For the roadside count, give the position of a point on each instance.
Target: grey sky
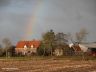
(59, 15)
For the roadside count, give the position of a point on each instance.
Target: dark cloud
(4, 2)
(59, 15)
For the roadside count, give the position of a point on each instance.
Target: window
(25, 47)
(32, 46)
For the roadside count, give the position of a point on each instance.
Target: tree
(48, 40)
(41, 50)
(7, 46)
(61, 41)
(1, 51)
(11, 50)
(70, 38)
(81, 35)
(61, 38)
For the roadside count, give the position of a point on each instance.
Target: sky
(29, 19)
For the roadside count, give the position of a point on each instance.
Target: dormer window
(25, 46)
(32, 46)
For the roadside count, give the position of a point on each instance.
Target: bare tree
(1, 50)
(70, 38)
(81, 35)
(7, 45)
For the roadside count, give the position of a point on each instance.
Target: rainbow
(33, 18)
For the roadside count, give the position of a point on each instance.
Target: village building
(61, 50)
(89, 48)
(58, 51)
(27, 47)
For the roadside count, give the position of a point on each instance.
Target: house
(58, 51)
(89, 48)
(78, 47)
(61, 50)
(27, 47)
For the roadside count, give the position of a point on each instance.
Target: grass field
(46, 64)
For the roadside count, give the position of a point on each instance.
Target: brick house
(27, 47)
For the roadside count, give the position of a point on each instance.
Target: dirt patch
(48, 65)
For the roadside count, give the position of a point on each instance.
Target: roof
(84, 46)
(90, 45)
(79, 47)
(21, 44)
(76, 47)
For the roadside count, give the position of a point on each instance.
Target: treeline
(52, 41)
(49, 43)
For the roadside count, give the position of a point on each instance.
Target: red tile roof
(21, 44)
(77, 48)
